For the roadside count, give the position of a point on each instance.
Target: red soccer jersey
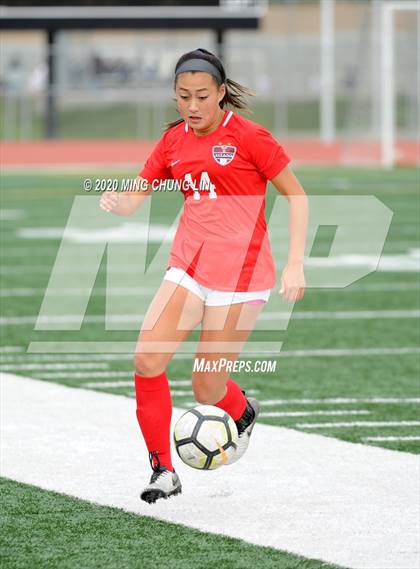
(222, 238)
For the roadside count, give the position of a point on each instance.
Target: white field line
(256, 350)
(312, 413)
(73, 268)
(68, 169)
(341, 400)
(351, 424)
(341, 314)
(397, 250)
(70, 292)
(285, 354)
(390, 439)
(397, 246)
(137, 291)
(68, 318)
(35, 366)
(379, 287)
(174, 393)
(11, 349)
(180, 393)
(31, 357)
(367, 497)
(12, 214)
(269, 316)
(76, 264)
(127, 374)
(349, 352)
(83, 375)
(114, 384)
(128, 232)
(141, 233)
(405, 262)
(99, 384)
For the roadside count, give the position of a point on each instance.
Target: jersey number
(205, 186)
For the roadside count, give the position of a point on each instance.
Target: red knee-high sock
(154, 412)
(234, 402)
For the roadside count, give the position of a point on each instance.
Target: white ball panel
(192, 455)
(185, 426)
(212, 434)
(210, 410)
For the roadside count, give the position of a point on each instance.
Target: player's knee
(149, 364)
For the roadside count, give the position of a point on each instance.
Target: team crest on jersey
(224, 154)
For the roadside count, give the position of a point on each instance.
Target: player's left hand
(293, 282)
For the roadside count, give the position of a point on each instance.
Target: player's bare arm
(124, 203)
(293, 278)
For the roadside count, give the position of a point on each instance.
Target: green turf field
(310, 388)
(371, 386)
(73, 533)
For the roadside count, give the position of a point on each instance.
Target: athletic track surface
(132, 153)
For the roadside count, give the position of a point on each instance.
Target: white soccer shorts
(212, 297)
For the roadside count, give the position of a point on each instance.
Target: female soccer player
(220, 269)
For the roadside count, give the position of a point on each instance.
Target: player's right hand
(109, 201)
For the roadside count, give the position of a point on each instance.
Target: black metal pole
(220, 42)
(50, 114)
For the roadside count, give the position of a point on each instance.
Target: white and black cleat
(245, 425)
(163, 484)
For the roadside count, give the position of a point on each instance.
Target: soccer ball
(205, 437)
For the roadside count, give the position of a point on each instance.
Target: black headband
(199, 65)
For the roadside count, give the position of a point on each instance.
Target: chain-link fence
(119, 85)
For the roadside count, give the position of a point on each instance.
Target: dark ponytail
(235, 93)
